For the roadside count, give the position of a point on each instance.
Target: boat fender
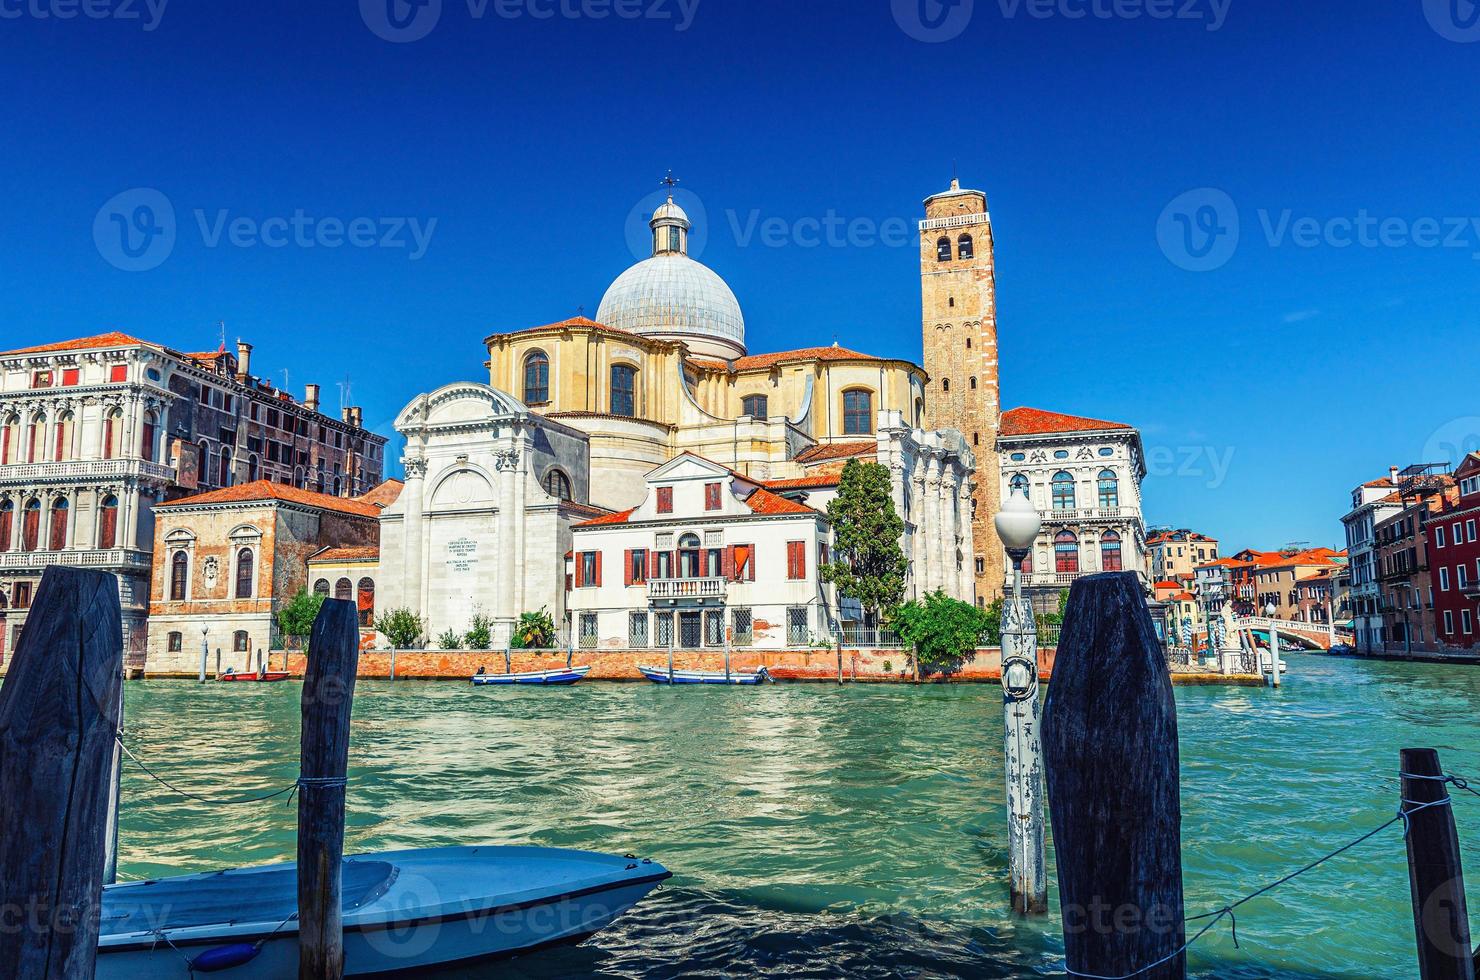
(225, 957)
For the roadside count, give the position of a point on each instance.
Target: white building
(708, 557)
(1372, 503)
(484, 519)
(1084, 476)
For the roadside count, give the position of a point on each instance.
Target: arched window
(33, 438)
(245, 563)
(343, 589)
(1063, 491)
(943, 249)
(58, 539)
(179, 574)
(968, 343)
(365, 599)
(945, 384)
(336, 486)
(204, 462)
(1110, 552)
(965, 247)
(62, 442)
(557, 484)
(225, 470)
(30, 525)
(919, 412)
(1109, 489)
(10, 434)
(108, 522)
(972, 384)
(624, 390)
(147, 436)
(7, 519)
(858, 412)
(321, 587)
(688, 556)
(1018, 484)
(112, 433)
(298, 477)
(1065, 552)
(754, 406)
(239, 641)
(536, 377)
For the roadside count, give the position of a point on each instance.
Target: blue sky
(1333, 337)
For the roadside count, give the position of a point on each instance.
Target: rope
(194, 796)
(1218, 915)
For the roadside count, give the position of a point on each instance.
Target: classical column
(132, 496)
(521, 532)
(950, 483)
(74, 515)
(507, 465)
(918, 555)
(413, 528)
(933, 522)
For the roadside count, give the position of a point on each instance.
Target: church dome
(674, 297)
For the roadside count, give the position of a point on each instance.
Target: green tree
(450, 639)
(402, 627)
(295, 620)
(943, 631)
(480, 634)
(867, 561)
(534, 631)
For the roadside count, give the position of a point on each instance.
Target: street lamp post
(1018, 525)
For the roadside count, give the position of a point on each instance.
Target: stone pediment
(462, 403)
(687, 466)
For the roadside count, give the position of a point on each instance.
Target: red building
(1454, 560)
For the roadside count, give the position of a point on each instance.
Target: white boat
(1264, 663)
(403, 911)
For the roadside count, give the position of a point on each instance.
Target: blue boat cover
(226, 897)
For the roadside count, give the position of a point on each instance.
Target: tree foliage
(943, 631)
(480, 633)
(402, 627)
(295, 620)
(450, 639)
(867, 562)
(535, 631)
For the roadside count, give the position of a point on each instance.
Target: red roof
(837, 450)
(1168, 585)
(265, 490)
(385, 494)
(339, 555)
(111, 339)
(621, 517)
(819, 480)
(756, 361)
(763, 501)
(1035, 421)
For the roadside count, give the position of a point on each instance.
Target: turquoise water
(818, 831)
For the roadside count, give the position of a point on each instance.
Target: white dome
(671, 295)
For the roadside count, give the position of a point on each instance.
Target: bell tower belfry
(959, 312)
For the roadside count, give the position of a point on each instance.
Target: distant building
(1297, 584)
(94, 432)
(348, 573)
(1371, 504)
(1453, 539)
(1175, 555)
(227, 560)
(1402, 558)
(1084, 476)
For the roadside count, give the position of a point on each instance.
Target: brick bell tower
(958, 289)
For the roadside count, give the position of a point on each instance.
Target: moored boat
(403, 912)
(255, 675)
(662, 675)
(563, 675)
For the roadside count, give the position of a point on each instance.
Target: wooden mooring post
(1110, 751)
(58, 711)
(328, 695)
(1441, 922)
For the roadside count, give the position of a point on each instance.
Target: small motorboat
(1264, 663)
(565, 675)
(662, 675)
(254, 675)
(403, 912)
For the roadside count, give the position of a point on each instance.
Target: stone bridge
(1312, 636)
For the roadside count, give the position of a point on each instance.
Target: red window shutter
(70, 376)
(117, 373)
(727, 564)
(796, 559)
(627, 567)
(711, 496)
(580, 569)
(597, 583)
(652, 563)
(665, 500)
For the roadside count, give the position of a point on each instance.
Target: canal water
(817, 831)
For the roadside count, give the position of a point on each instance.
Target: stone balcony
(686, 588)
(1078, 515)
(84, 470)
(113, 559)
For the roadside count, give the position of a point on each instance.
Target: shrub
(450, 640)
(942, 631)
(402, 627)
(295, 620)
(480, 635)
(535, 631)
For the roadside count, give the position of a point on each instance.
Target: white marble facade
(483, 523)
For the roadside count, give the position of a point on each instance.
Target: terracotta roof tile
(1035, 421)
(836, 450)
(622, 517)
(384, 495)
(266, 490)
(1168, 585)
(340, 555)
(820, 480)
(96, 342)
(754, 362)
(763, 501)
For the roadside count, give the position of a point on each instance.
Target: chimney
(311, 397)
(354, 415)
(243, 361)
(1393, 472)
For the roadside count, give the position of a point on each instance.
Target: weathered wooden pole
(1441, 920)
(508, 660)
(1110, 748)
(58, 711)
(328, 694)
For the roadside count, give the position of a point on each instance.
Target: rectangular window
(588, 570)
(711, 496)
(71, 376)
(741, 628)
(637, 566)
(665, 629)
(1462, 574)
(796, 560)
(588, 631)
(1465, 622)
(175, 642)
(1448, 622)
(1443, 580)
(637, 630)
(1439, 537)
(118, 373)
(1459, 533)
(744, 563)
(624, 391)
(1470, 531)
(21, 598)
(858, 413)
(797, 632)
(714, 628)
(665, 500)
